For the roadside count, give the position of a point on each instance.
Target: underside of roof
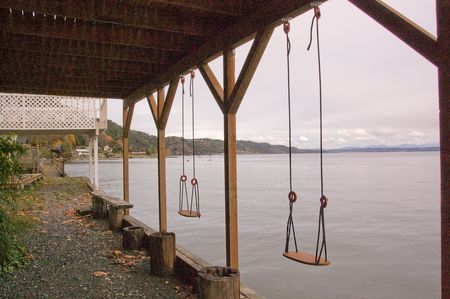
(122, 49)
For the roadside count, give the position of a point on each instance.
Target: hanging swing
(321, 244)
(192, 206)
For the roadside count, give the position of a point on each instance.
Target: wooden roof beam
(128, 118)
(409, 32)
(64, 85)
(26, 78)
(227, 8)
(230, 37)
(153, 107)
(119, 12)
(82, 61)
(86, 49)
(77, 72)
(48, 74)
(62, 92)
(77, 62)
(88, 31)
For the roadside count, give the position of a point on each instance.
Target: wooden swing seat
(188, 213)
(305, 258)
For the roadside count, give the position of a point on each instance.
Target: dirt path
(78, 257)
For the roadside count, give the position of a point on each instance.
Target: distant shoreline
(308, 151)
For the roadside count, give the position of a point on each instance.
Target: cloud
(416, 134)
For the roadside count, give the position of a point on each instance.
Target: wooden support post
(161, 165)
(218, 283)
(127, 116)
(229, 124)
(443, 14)
(96, 161)
(90, 160)
(133, 237)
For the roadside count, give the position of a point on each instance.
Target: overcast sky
(376, 90)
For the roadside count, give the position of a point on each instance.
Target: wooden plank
(232, 36)
(63, 91)
(162, 166)
(59, 70)
(68, 61)
(213, 84)
(72, 29)
(150, 16)
(32, 78)
(409, 32)
(83, 48)
(231, 209)
(168, 102)
(443, 31)
(62, 86)
(248, 70)
(229, 8)
(153, 108)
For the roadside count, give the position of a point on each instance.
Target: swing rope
(292, 196)
(182, 185)
(182, 119)
(323, 198)
(191, 93)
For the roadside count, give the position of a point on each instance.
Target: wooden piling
(162, 253)
(218, 283)
(132, 237)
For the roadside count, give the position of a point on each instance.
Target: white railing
(41, 112)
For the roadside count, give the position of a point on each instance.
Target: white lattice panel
(41, 112)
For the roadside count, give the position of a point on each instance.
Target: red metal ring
(192, 74)
(182, 79)
(286, 26)
(292, 196)
(317, 12)
(183, 178)
(324, 201)
(194, 181)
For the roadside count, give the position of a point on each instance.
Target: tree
(11, 252)
(10, 152)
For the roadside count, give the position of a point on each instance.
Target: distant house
(82, 151)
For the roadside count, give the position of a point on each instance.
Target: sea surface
(382, 219)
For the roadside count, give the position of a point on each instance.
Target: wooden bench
(106, 206)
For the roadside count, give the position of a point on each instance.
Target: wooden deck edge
(187, 264)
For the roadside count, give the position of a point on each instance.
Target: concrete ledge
(187, 264)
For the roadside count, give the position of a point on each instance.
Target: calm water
(382, 220)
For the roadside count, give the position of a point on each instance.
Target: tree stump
(218, 283)
(162, 253)
(115, 217)
(132, 237)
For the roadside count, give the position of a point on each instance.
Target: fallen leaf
(100, 274)
(117, 252)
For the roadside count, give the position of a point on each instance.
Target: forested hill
(143, 142)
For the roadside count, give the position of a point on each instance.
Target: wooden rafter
(62, 85)
(30, 78)
(248, 70)
(95, 93)
(47, 26)
(229, 37)
(24, 57)
(412, 34)
(85, 49)
(128, 118)
(153, 107)
(164, 116)
(167, 19)
(74, 72)
(213, 84)
(228, 8)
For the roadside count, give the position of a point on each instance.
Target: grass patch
(15, 218)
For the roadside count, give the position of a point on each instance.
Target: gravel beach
(78, 257)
